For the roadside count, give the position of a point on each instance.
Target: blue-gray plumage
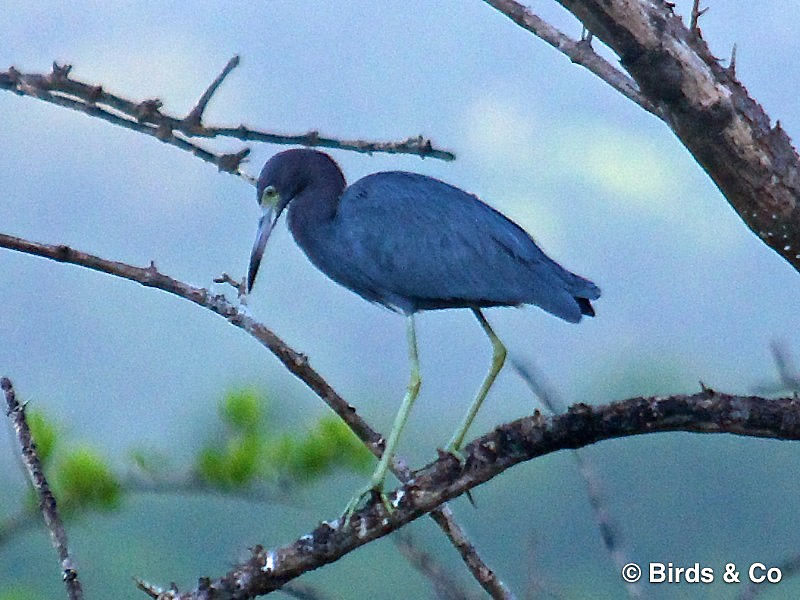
(412, 243)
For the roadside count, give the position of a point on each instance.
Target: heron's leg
(378, 477)
(400, 419)
(498, 359)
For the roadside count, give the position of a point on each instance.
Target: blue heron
(411, 243)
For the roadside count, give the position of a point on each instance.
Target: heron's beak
(265, 226)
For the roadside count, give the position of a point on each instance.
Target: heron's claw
(370, 492)
(455, 453)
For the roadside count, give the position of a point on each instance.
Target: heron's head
(284, 177)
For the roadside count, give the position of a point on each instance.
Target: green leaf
(348, 448)
(242, 410)
(243, 457)
(329, 445)
(211, 467)
(234, 466)
(312, 457)
(83, 479)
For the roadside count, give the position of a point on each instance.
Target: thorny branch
(47, 502)
(486, 457)
(578, 51)
(672, 74)
(146, 116)
(294, 361)
(706, 412)
(730, 135)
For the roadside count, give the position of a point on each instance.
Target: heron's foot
(455, 453)
(462, 461)
(369, 494)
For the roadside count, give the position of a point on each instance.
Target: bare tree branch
(490, 455)
(753, 164)
(294, 361)
(485, 576)
(47, 502)
(445, 587)
(38, 86)
(578, 51)
(57, 87)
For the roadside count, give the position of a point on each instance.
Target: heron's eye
(269, 196)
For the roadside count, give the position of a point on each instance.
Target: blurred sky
(689, 293)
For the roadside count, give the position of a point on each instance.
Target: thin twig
(193, 486)
(578, 51)
(610, 531)
(536, 589)
(36, 86)
(444, 585)
(788, 568)
(303, 591)
(239, 286)
(57, 87)
(47, 502)
(296, 362)
(195, 116)
(697, 12)
(788, 373)
(787, 369)
(484, 575)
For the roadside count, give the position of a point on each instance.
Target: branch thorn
(732, 64)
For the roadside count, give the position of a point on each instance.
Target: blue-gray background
(689, 293)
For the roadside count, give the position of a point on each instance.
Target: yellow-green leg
(378, 477)
(498, 359)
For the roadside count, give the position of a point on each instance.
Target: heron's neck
(314, 208)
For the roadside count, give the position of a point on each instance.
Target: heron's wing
(408, 236)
